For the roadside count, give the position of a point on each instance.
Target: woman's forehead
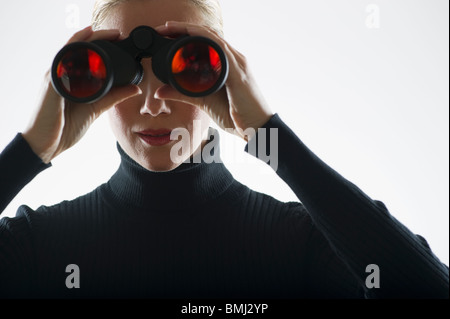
(130, 14)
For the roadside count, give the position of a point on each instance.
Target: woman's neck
(190, 184)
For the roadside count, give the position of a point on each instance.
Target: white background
(363, 83)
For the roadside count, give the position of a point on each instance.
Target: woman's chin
(164, 164)
(162, 168)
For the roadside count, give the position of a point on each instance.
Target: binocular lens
(196, 67)
(81, 72)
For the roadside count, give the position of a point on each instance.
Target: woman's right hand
(59, 124)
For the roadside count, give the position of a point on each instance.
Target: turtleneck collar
(189, 185)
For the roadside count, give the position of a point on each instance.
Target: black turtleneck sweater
(196, 232)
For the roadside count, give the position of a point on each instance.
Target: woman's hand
(240, 104)
(59, 124)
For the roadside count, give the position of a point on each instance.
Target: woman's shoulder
(266, 202)
(66, 209)
(68, 220)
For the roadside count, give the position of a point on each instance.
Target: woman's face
(144, 113)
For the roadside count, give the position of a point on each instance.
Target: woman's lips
(156, 137)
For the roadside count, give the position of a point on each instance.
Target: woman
(160, 228)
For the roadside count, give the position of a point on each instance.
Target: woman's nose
(149, 85)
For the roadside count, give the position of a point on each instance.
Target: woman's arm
(360, 230)
(18, 166)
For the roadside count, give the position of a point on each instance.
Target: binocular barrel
(84, 72)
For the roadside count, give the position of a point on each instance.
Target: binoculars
(84, 72)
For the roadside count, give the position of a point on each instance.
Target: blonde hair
(210, 8)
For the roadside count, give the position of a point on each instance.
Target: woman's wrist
(34, 144)
(258, 122)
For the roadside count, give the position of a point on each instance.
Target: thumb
(116, 96)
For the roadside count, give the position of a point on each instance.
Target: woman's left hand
(239, 105)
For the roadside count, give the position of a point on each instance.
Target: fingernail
(160, 27)
(136, 93)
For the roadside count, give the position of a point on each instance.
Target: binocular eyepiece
(84, 72)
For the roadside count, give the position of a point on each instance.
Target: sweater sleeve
(18, 166)
(361, 231)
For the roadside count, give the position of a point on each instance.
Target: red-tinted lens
(81, 72)
(196, 67)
